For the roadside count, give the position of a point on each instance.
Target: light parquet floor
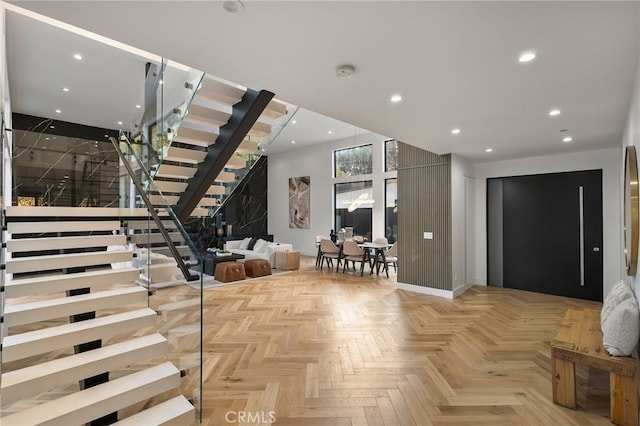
(324, 348)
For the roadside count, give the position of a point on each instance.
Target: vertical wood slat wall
(424, 205)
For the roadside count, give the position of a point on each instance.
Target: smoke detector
(233, 6)
(345, 71)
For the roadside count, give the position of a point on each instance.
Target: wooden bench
(579, 341)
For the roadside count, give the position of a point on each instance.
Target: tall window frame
(353, 161)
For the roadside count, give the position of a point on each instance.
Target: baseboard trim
(459, 290)
(447, 294)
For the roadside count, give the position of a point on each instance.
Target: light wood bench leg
(624, 400)
(564, 382)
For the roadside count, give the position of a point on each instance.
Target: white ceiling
(454, 63)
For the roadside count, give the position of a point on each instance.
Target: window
(390, 155)
(354, 207)
(353, 161)
(391, 210)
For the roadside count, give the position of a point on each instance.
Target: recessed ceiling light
(66, 176)
(567, 139)
(77, 56)
(554, 112)
(293, 121)
(58, 111)
(455, 131)
(106, 136)
(120, 123)
(52, 127)
(330, 132)
(138, 106)
(488, 150)
(527, 57)
(65, 89)
(233, 6)
(396, 98)
(46, 139)
(161, 82)
(293, 141)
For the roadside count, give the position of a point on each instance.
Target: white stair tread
(23, 345)
(39, 378)
(83, 212)
(223, 92)
(216, 190)
(154, 238)
(236, 163)
(203, 115)
(27, 313)
(168, 186)
(71, 260)
(174, 412)
(226, 177)
(63, 282)
(79, 226)
(199, 212)
(275, 109)
(185, 155)
(195, 137)
(207, 201)
(247, 147)
(163, 200)
(180, 172)
(150, 224)
(260, 129)
(55, 243)
(89, 404)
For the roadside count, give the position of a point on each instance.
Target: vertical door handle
(581, 202)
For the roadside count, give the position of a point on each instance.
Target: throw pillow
(244, 245)
(619, 292)
(621, 330)
(260, 246)
(252, 243)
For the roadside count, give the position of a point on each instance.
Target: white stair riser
(59, 243)
(199, 212)
(39, 378)
(28, 313)
(45, 263)
(236, 163)
(216, 190)
(35, 227)
(59, 283)
(89, 404)
(209, 202)
(31, 343)
(247, 147)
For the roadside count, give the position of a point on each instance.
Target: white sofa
(265, 251)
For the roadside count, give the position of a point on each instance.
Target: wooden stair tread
(55, 243)
(202, 115)
(39, 378)
(62, 282)
(23, 345)
(174, 412)
(180, 172)
(27, 313)
(168, 186)
(89, 404)
(185, 155)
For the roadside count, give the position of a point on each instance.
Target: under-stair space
(196, 145)
(82, 343)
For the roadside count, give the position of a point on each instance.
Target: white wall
(316, 162)
(463, 230)
(608, 160)
(632, 137)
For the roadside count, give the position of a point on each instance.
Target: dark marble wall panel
(246, 209)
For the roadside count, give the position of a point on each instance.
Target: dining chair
(391, 257)
(381, 240)
(353, 253)
(319, 239)
(329, 252)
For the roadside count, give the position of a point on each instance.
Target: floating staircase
(199, 143)
(79, 342)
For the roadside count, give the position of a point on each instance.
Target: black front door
(552, 233)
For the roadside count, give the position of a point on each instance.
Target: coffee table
(211, 260)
